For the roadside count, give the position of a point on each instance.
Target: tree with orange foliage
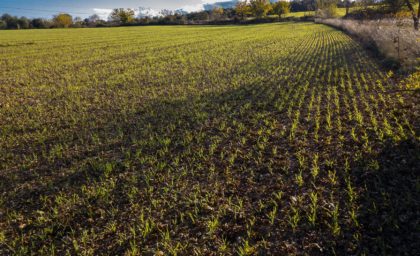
(63, 20)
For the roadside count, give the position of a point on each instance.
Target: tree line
(244, 10)
(123, 16)
(62, 20)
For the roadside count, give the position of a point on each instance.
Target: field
(341, 12)
(274, 139)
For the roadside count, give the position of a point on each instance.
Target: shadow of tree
(390, 205)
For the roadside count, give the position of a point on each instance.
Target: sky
(85, 8)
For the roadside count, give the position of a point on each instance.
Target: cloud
(208, 5)
(146, 12)
(193, 8)
(139, 12)
(149, 12)
(102, 13)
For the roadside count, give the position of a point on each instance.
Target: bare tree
(347, 7)
(122, 15)
(94, 18)
(166, 12)
(413, 13)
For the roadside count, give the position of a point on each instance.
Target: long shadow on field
(390, 205)
(172, 119)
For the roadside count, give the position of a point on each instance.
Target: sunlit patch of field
(232, 140)
(341, 12)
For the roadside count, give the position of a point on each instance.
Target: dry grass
(393, 38)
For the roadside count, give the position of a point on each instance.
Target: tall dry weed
(395, 39)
